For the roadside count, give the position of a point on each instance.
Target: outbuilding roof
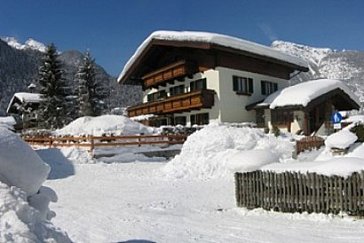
(303, 93)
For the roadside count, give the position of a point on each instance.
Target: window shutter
(235, 83)
(263, 86)
(250, 85)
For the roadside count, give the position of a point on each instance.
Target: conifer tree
(53, 112)
(90, 92)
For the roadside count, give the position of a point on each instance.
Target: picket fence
(297, 192)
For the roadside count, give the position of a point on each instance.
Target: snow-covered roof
(28, 97)
(212, 38)
(303, 93)
(24, 98)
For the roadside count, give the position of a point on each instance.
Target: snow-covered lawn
(133, 201)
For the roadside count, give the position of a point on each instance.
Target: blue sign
(336, 117)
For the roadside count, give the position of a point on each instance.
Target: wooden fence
(309, 143)
(91, 142)
(296, 192)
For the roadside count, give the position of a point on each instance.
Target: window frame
(243, 85)
(268, 87)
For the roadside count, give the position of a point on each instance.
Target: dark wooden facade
(179, 103)
(159, 54)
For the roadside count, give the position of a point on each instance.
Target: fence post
(92, 143)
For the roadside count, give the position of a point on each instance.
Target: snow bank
(219, 150)
(342, 139)
(7, 122)
(19, 165)
(343, 166)
(20, 222)
(104, 124)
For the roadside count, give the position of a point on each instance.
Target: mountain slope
(347, 66)
(19, 65)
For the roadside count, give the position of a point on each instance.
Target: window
(268, 87)
(180, 89)
(180, 120)
(242, 85)
(157, 96)
(200, 119)
(281, 117)
(198, 85)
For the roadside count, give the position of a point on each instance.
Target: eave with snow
(194, 77)
(306, 107)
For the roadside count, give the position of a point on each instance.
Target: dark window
(180, 120)
(200, 119)
(281, 117)
(180, 89)
(157, 96)
(260, 119)
(198, 85)
(268, 87)
(243, 85)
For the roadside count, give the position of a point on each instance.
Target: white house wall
(233, 105)
(228, 106)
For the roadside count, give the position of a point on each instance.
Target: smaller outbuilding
(23, 106)
(305, 108)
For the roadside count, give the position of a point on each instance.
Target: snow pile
(22, 173)
(213, 38)
(19, 222)
(343, 166)
(99, 125)
(355, 119)
(219, 150)
(303, 93)
(7, 122)
(342, 139)
(19, 165)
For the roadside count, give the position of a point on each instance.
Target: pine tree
(53, 110)
(90, 92)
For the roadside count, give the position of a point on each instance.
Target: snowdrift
(20, 166)
(20, 222)
(99, 125)
(23, 200)
(220, 150)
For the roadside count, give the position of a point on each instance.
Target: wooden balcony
(168, 74)
(179, 103)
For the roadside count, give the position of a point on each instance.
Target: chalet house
(306, 107)
(193, 77)
(22, 106)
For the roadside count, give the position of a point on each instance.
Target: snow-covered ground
(132, 201)
(189, 199)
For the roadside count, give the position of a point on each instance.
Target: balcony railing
(179, 103)
(168, 74)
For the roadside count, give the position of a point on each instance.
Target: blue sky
(112, 29)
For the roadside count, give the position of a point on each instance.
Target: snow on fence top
(303, 93)
(213, 38)
(342, 166)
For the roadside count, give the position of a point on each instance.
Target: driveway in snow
(131, 201)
